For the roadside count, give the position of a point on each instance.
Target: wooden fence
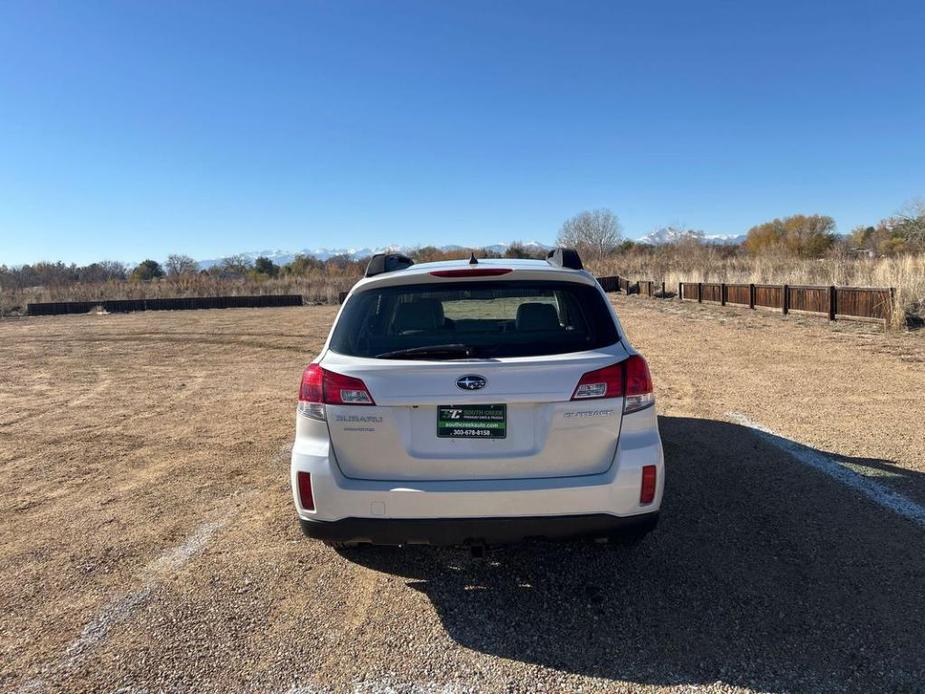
(862, 303)
(872, 303)
(616, 283)
(175, 304)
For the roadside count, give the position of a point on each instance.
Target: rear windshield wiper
(454, 351)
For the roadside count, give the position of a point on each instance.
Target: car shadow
(763, 573)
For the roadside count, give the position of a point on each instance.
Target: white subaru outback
(476, 403)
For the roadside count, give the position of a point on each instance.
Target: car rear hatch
(473, 378)
(521, 423)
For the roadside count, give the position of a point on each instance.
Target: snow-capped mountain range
(281, 257)
(674, 235)
(655, 238)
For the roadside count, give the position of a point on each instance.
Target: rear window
(480, 320)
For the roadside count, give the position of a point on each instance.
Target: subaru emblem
(470, 382)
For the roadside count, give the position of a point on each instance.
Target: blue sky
(137, 129)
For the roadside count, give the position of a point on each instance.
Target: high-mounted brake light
(628, 379)
(473, 272)
(320, 387)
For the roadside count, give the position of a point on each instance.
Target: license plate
(472, 421)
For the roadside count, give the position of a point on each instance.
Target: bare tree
(235, 266)
(912, 221)
(178, 265)
(102, 271)
(593, 233)
(340, 261)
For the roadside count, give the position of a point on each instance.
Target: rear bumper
(612, 493)
(475, 531)
(345, 509)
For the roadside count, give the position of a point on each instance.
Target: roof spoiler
(387, 262)
(565, 257)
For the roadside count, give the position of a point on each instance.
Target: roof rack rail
(387, 262)
(565, 257)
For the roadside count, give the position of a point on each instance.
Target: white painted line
(884, 496)
(122, 608)
(116, 611)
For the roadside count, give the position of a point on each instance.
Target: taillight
(345, 390)
(629, 379)
(602, 383)
(311, 392)
(647, 488)
(320, 387)
(304, 481)
(639, 393)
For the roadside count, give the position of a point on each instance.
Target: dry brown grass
(906, 273)
(122, 436)
(672, 264)
(315, 288)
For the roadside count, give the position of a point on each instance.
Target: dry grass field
(148, 540)
(905, 273)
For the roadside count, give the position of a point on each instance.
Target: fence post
(786, 302)
(722, 294)
(680, 291)
(751, 296)
(833, 299)
(700, 292)
(888, 319)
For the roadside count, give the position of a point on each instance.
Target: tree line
(179, 267)
(597, 234)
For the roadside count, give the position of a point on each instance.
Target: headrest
(537, 316)
(420, 315)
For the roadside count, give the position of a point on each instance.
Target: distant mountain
(674, 235)
(281, 257)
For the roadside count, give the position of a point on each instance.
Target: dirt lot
(148, 540)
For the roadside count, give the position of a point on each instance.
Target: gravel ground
(148, 541)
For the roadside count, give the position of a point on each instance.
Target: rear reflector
(473, 272)
(305, 491)
(647, 489)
